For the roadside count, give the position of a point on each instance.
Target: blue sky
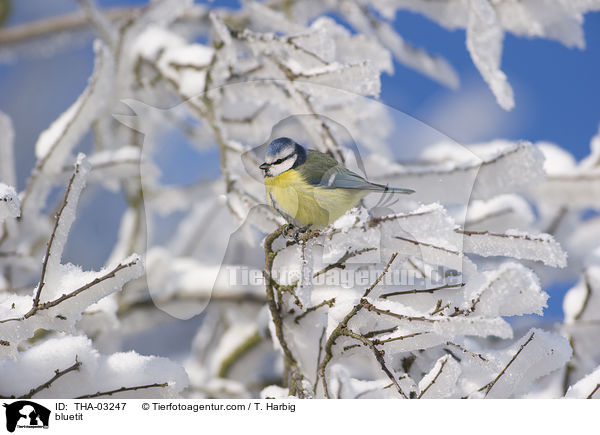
(557, 92)
(556, 88)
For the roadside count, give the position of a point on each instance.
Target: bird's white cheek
(282, 167)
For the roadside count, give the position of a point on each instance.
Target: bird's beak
(264, 166)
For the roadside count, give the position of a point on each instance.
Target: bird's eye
(281, 160)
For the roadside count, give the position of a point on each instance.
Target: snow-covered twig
(122, 390)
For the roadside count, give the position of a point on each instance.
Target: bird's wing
(343, 178)
(322, 170)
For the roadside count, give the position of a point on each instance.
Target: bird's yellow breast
(306, 204)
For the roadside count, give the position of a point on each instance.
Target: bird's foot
(298, 235)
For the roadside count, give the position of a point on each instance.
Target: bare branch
(437, 375)
(417, 291)
(591, 395)
(63, 23)
(588, 295)
(121, 390)
(327, 302)
(74, 293)
(36, 299)
(57, 374)
(487, 388)
(337, 332)
(378, 356)
(290, 361)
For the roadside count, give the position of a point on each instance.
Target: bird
(310, 188)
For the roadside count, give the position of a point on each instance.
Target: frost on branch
(9, 203)
(392, 319)
(64, 291)
(70, 367)
(480, 172)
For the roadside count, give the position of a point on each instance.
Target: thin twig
(72, 294)
(378, 356)
(588, 295)
(437, 375)
(591, 395)
(487, 388)
(36, 299)
(337, 332)
(57, 374)
(417, 291)
(328, 302)
(290, 361)
(121, 390)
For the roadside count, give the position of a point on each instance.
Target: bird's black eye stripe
(281, 160)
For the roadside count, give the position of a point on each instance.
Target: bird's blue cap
(278, 145)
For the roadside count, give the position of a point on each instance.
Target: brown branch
(242, 298)
(428, 245)
(588, 295)
(494, 214)
(591, 395)
(326, 133)
(376, 220)
(555, 223)
(121, 390)
(402, 337)
(463, 168)
(36, 299)
(341, 263)
(437, 375)
(328, 302)
(439, 307)
(369, 306)
(296, 377)
(48, 383)
(474, 354)
(319, 359)
(72, 294)
(378, 356)
(238, 353)
(527, 237)
(247, 119)
(337, 332)
(63, 23)
(372, 334)
(417, 291)
(487, 388)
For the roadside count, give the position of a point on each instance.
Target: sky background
(557, 95)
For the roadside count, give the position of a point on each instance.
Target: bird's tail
(388, 189)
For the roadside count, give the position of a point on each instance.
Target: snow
(516, 244)
(511, 290)
(433, 66)
(7, 136)
(109, 167)
(586, 388)
(538, 353)
(440, 382)
(67, 214)
(97, 373)
(9, 203)
(56, 142)
(499, 214)
(484, 42)
(474, 173)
